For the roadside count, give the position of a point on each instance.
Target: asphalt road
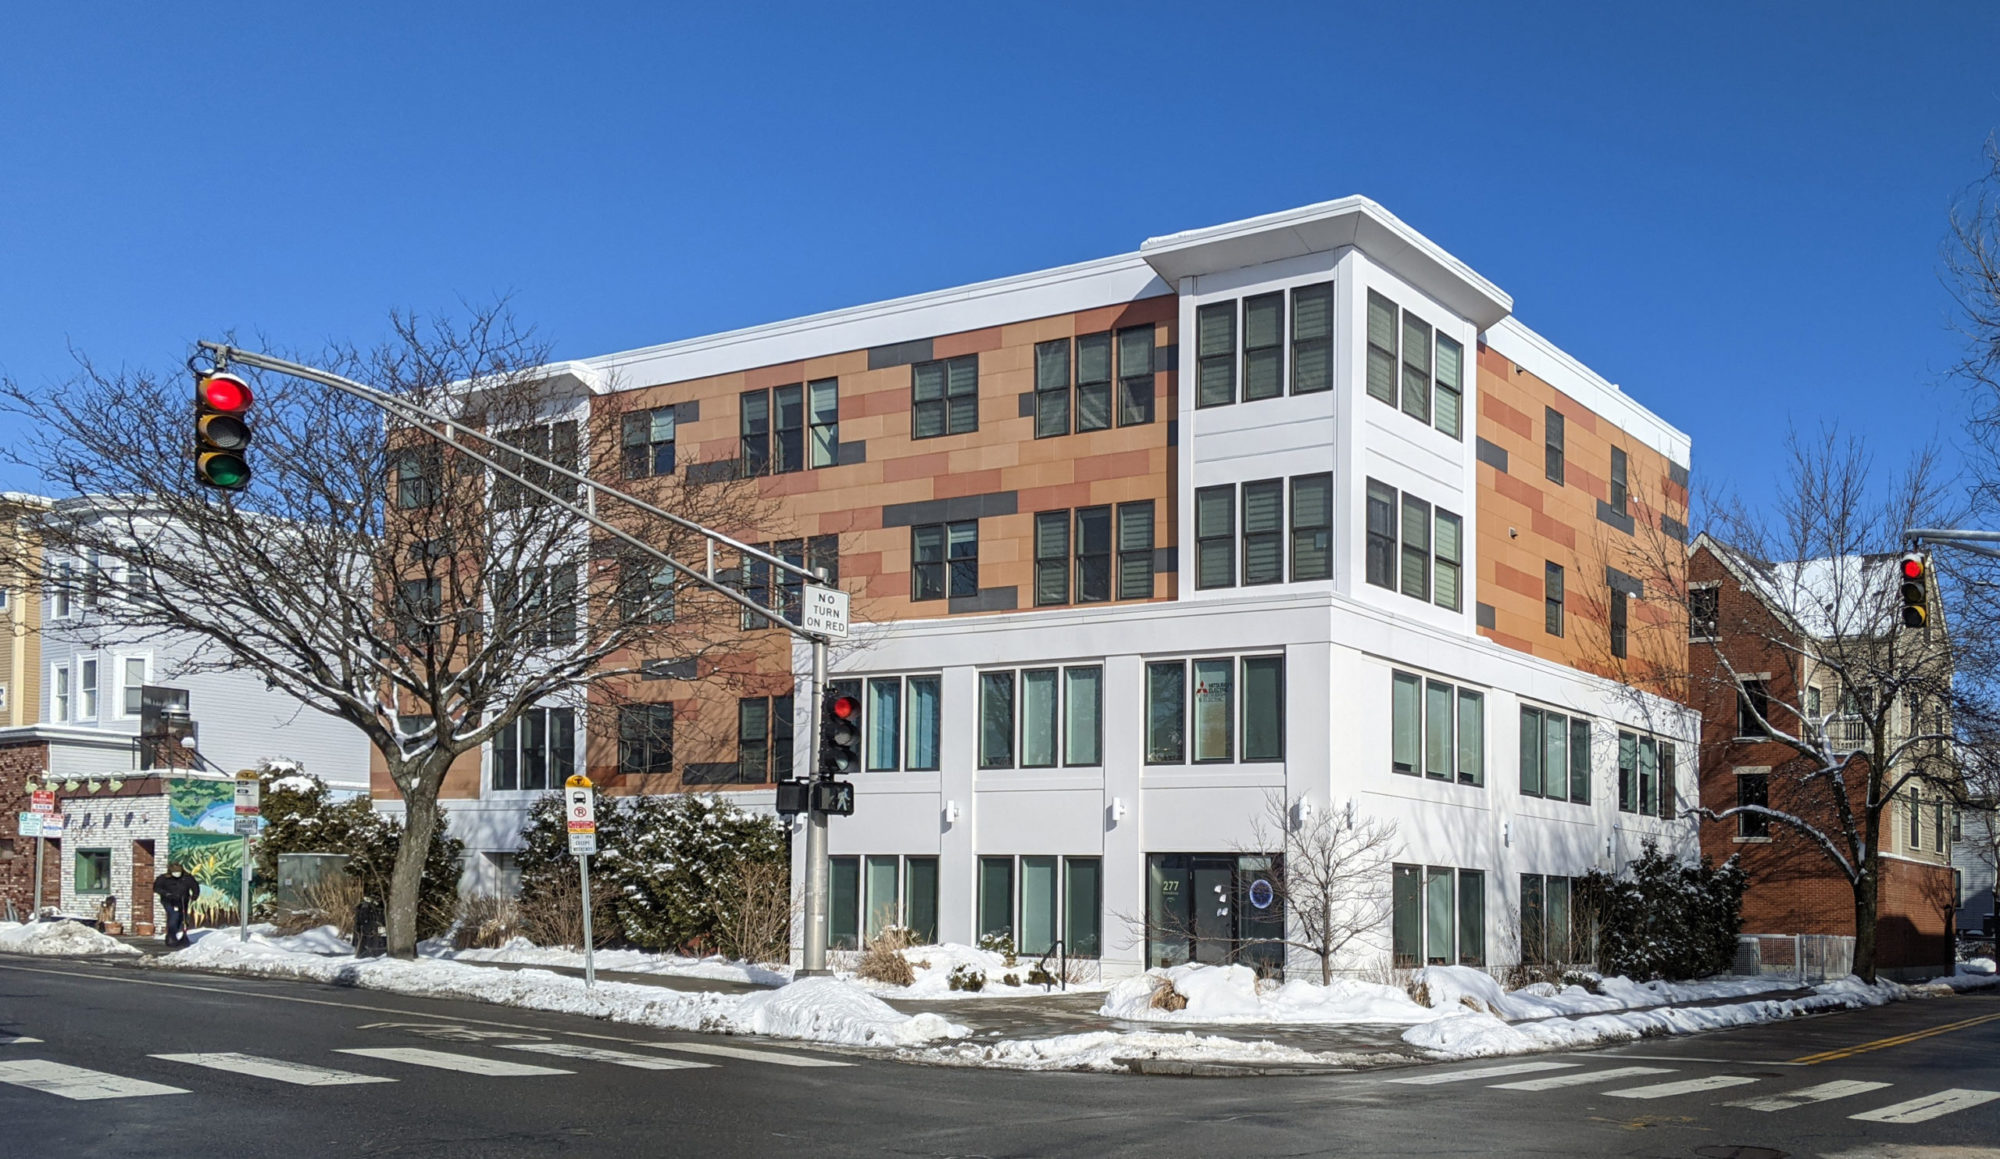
(262, 1068)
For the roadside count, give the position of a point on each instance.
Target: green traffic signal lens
(227, 471)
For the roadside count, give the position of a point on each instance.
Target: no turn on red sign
(580, 810)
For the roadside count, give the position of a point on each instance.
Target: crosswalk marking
(1577, 1080)
(442, 1060)
(296, 1073)
(16, 1040)
(1819, 1094)
(74, 1082)
(1928, 1107)
(1484, 1072)
(1683, 1087)
(603, 1054)
(770, 1056)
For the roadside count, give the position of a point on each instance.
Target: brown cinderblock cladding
(1527, 521)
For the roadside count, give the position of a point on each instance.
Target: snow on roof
(1847, 595)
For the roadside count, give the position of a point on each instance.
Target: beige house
(20, 613)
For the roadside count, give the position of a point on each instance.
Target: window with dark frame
(1052, 387)
(1051, 558)
(1753, 710)
(1215, 537)
(1215, 354)
(1135, 550)
(1416, 570)
(1312, 527)
(1381, 535)
(1447, 552)
(944, 560)
(1450, 387)
(1555, 756)
(556, 442)
(536, 751)
(1753, 790)
(1416, 368)
(1552, 598)
(763, 739)
(1263, 532)
(1135, 375)
(944, 397)
(1312, 338)
(647, 443)
(788, 407)
(417, 477)
(1552, 445)
(1093, 554)
(823, 397)
(645, 739)
(1093, 382)
(1382, 361)
(1704, 607)
(754, 434)
(1619, 495)
(1263, 346)
(1618, 623)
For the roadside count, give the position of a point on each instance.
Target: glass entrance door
(1213, 908)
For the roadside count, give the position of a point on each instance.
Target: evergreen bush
(301, 816)
(1661, 917)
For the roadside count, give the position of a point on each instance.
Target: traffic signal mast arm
(420, 415)
(1971, 541)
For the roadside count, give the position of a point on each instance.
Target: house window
(1937, 825)
(1052, 388)
(645, 739)
(1052, 557)
(1381, 535)
(1263, 346)
(1166, 712)
(1312, 527)
(536, 751)
(1381, 348)
(755, 433)
(1552, 599)
(1447, 547)
(86, 689)
(1438, 725)
(1416, 547)
(824, 398)
(1753, 790)
(1093, 382)
(1913, 813)
(1059, 718)
(1753, 709)
(1618, 623)
(648, 443)
(1704, 605)
(555, 442)
(1619, 495)
(59, 701)
(1215, 354)
(944, 397)
(1312, 339)
(1093, 555)
(1555, 756)
(944, 560)
(1552, 445)
(1438, 916)
(133, 683)
(1135, 550)
(901, 721)
(1450, 386)
(1263, 531)
(1135, 375)
(93, 871)
(763, 739)
(1416, 368)
(1215, 537)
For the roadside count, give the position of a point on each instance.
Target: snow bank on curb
(931, 968)
(58, 940)
(1101, 1050)
(810, 1010)
(1474, 1034)
(522, 951)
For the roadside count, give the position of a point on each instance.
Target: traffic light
(839, 735)
(1916, 591)
(221, 436)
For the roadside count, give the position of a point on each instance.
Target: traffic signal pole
(814, 918)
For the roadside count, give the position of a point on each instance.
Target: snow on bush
(812, 1009)
(1661, 917)
(58, 940)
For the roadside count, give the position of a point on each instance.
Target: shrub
(1661, 918)
(485, 921)
(1001, 943)
(967, 977)
(330, 901)
(684, 872)
(1165, 997)
(301, 816)
(553, 914)
(884, 961)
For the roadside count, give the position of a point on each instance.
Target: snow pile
(812, 1010)
(1104, 1050)
(1226, 994)
(1474, 989)
(58, 939)
(1977, 974)
(522, 951)
(1474, 1034)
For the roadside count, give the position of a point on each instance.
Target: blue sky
(1736, 211)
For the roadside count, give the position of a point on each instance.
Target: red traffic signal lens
(224, 392)
(846, 707)
(1913, 568)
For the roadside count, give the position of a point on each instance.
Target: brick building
(1763, 645)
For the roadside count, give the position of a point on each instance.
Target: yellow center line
(1885, 1043)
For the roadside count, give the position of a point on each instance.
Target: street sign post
(580, 809)
(824, 612)
(248, 805)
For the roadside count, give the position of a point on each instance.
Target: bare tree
(374, 571)
(1330, 873)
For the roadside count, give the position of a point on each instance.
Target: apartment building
(1285, 510)
(20, 612)
(1799, 650)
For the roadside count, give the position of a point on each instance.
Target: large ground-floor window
(1213, 907)
(1439, 916)
(1034, 900)
(869, 894)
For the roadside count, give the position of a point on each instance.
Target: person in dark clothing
(177, 891)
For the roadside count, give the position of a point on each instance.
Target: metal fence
(1810, 958)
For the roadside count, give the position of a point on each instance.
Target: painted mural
(201, 837)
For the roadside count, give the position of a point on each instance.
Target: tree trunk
(1864, 923)
(1326, 953)
(420, 818)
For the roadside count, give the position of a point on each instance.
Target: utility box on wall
(298, 873)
